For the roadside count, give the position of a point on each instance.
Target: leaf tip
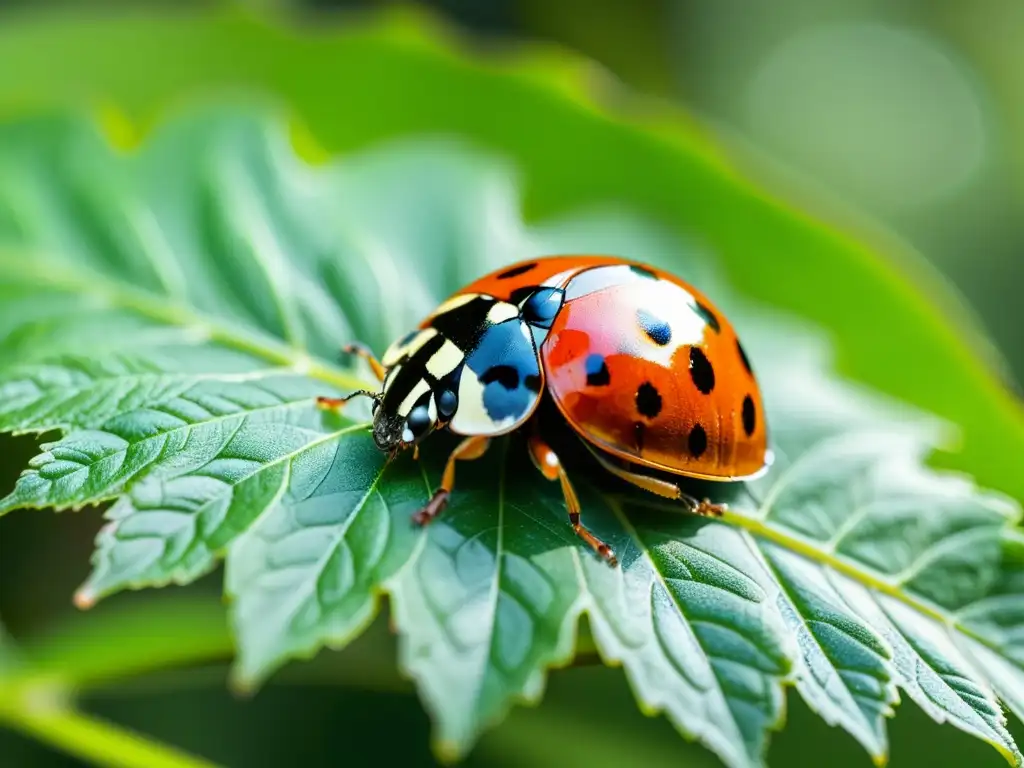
(85, 598)
(8, 504)
(447, 752)
(243, 686)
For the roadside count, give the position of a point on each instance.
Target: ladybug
(641, 365)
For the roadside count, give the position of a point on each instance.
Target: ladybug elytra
(640, 364)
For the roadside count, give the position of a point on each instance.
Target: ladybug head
(393, 430)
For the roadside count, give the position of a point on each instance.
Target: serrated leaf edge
(759, 527)
(86, 598)
(532, 694)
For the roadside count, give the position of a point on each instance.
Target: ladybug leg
(704, 507)
(471, 448)
(550, 466)
(661, 487)
(360, 350)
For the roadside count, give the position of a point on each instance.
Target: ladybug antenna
(375, 396)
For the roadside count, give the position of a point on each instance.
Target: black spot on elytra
(638, 435)
(743, 356)
(644, 271)
(697, 442)
(656, 329)
(447, 401)
(517, 270)
(749, 415)
(648, 400)
(505, 375)
(532, 382)
(701, 372)
(708, 317)
(597, 371)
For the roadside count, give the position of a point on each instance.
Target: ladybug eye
(542, 306)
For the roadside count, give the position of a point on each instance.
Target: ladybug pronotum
(640, 364)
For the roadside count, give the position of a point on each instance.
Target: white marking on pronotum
(454, 303)
(397, 351)
(414, 395)
(502, 311)
(445, 360)
(389, 378)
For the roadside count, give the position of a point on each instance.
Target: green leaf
(992, 623)
(174, 311)
(578, 140)
(692, 620)
(307, 571)
(488, 602)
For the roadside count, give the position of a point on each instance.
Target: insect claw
(608, 555)
(706, 508)
(433, 508)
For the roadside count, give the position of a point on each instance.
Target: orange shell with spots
(644, 366)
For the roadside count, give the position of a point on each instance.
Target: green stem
(91, 739)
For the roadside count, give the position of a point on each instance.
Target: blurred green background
(912, 112)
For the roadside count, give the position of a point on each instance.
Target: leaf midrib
(115, 491)
(852, 570)
(196, 513)
(65, 277)
(308, 589)
(879, 748)
(631, 530)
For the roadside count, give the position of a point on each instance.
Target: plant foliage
(578, 138)
(172, 313)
